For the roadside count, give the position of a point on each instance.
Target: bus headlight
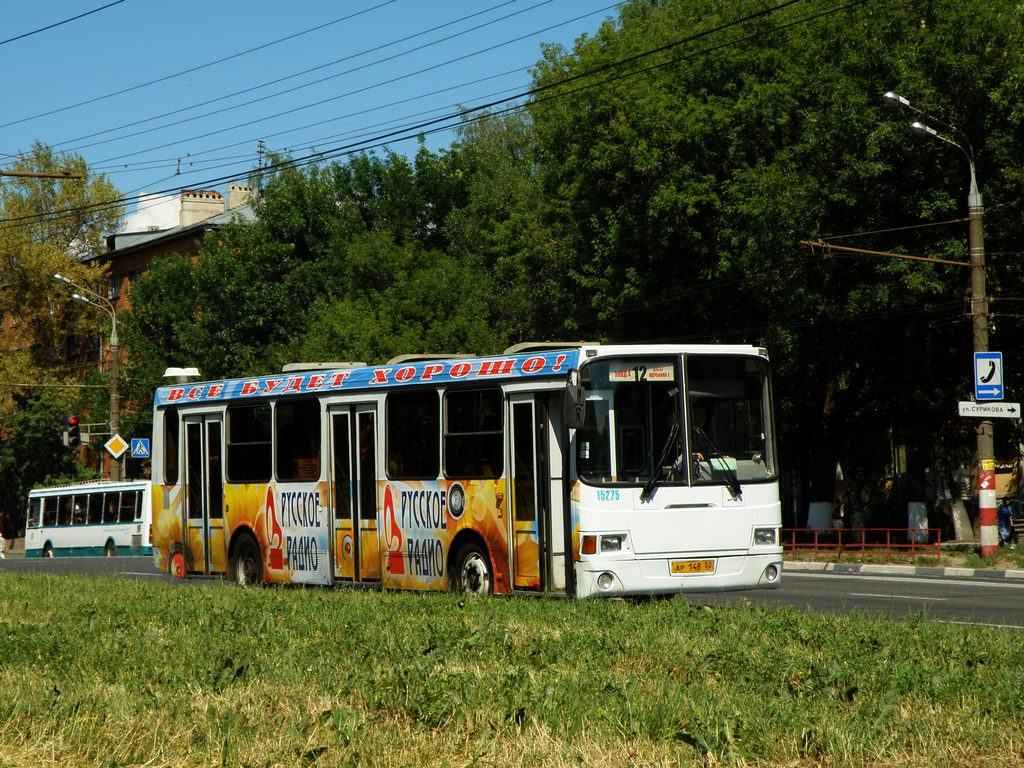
(764, 537)
(605, 581)
(612, 543)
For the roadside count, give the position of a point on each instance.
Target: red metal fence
(887, 542)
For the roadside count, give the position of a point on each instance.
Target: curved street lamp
(103, 303)
(979, 309)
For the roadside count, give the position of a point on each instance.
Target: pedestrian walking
(1007, 535)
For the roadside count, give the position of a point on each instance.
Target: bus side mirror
(575, 402)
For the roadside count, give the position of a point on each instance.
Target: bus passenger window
(95, 508)
(171, 447)
(414, 434)
(50, 510)
(297, 439)
(126, 512)
(110, 503)
(248, 447)
(473, 435)
(32, 518)
(64, 512)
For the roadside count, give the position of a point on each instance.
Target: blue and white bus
(90, 519)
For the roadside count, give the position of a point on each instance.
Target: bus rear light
(612, 543)
(589, 545)
(764, 537)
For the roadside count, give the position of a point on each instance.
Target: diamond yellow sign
(116, 446)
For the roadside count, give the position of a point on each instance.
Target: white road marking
(896, 597)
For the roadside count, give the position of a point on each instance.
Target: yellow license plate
(683, 567)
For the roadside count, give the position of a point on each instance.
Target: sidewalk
(15, 548)
(904, 570)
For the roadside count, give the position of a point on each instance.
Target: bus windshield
(693, 420)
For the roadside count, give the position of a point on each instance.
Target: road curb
(903, 570)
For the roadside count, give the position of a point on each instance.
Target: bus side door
(529, 508)
(353, 492)
(206, 550)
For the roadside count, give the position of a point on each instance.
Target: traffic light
(72, 433)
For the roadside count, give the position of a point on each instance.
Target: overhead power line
(190, 70)
(596, 70)
(539, 94)
(336, 97)
(58, 24)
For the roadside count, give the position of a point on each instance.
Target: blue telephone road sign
(988, 375)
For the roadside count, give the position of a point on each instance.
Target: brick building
(129, 255)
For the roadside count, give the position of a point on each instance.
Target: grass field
(109, 672)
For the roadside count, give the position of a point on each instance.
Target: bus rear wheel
(176, 567)
(473, 571)
(246, 564)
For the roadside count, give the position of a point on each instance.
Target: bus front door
(205, 550)
(353, 493)
(529, 511)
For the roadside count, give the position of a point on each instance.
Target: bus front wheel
(48, 550)
(246, 565)
(110, 550)
(473, 571)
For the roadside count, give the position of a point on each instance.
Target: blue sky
(162, 96)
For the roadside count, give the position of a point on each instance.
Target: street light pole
(104, 304)
(979, 314)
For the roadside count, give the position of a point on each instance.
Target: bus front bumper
(719, 573)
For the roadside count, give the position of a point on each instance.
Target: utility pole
(979, 315)
(102, 303)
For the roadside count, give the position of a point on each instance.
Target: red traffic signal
(72, 432)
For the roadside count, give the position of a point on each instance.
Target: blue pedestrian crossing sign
(140, 448)
(988, 375)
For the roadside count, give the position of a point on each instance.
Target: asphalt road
(975, 600)
(995, 602)
(132, 567)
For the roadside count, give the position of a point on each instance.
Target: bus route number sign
(641, 372)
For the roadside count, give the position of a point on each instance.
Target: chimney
(199, 205)
(238, 195)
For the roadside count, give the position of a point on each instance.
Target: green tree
(48, 225)
(347, 261)
(508, 224)
(686, 181)
(32, 453)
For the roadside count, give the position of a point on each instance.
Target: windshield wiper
(708, 451)
(732, 480)
(659, 468)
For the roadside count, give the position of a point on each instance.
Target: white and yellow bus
(98, 518)
(586, 470)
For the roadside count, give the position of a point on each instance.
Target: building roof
(123, 243)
